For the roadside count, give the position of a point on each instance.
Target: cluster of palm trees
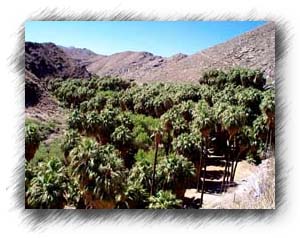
(142, 146)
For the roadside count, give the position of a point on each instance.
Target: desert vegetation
(141, 146)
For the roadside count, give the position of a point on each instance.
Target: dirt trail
(255, 188)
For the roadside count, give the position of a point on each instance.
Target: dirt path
(255, 188)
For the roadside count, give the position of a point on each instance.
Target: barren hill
(42, 63)
(254, 49)
(47, 60)
(83, 56)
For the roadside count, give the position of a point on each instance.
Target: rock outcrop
(47, 60)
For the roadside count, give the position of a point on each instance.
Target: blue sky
(160, 38)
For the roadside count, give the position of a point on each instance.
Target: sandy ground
(249, 192)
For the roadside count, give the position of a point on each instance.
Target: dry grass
(255, 190)
(260, 189)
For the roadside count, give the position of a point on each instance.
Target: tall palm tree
(233, 119)
(204, 121)
(268, 108)
(107, 123)
(100, 173)
(157, 140)
(122, 138)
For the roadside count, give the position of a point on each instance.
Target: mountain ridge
(254, 49)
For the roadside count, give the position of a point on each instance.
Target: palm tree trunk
(168, 144)
(235, 167)
(233, 160)
(227, 155)
(199, 167)
(204, 173)
(154, 170)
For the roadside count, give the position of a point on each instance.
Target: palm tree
(48, 186)
(204, 121)
(96, 103)
(233, 119)
(32, 140)
(100, 173)
(214, 77)
(126, 102)
(124, 119)
(175, 171)
(92, 124)
(166, 119)
(268, 108)
(188, 145)
(141, 173)
(157, 140)
(107, 123)
(204, 118)
(243, 144)
(76, 120)
(123, 139)
(164, 200)
(70, 141)
(136, 194)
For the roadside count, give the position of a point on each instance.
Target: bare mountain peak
(254, 49)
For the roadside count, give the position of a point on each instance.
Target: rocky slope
(254, 49)
(47, 60)
(81, 55)
(44, 62)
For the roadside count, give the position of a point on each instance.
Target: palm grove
(142, 146)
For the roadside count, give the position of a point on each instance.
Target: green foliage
(141, 137)
(99, 169)
(44, 128)
(204, 116)
(47, 185)
(76, 120)
(142, 155)
(164, 200)
(122, 136)
(174, 170)
(187, 144)
(32, 134)
(70, 141)
(233, 117)
(268, 102)
(137, 195)
(46, 151)
(112, 123)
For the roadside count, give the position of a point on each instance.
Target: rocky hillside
(44, 62)
(82, 55)
(47, 60)
(254, 49)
